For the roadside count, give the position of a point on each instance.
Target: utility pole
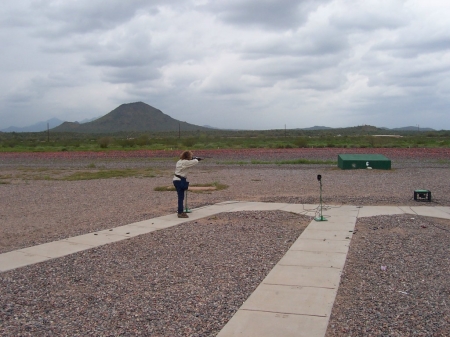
(48, 133)
(179, 130)
(284, 130)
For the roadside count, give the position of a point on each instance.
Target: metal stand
(186, 209)
(321, 217)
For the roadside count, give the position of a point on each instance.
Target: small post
(321, 217)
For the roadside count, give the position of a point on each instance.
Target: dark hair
(186, 155)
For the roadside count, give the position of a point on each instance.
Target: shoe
(183, 215)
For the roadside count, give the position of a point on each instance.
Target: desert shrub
(157, 146)
(143, 140)
(189, 142)
(127, 142)
(172, 141)
(9, 143)
(104, 142)
(301, 142)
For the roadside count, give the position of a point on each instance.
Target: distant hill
(86, 120)
(42, 126)
(369, 128)
(38, 127)
(317, 128)
(139, 117)
(413, 128)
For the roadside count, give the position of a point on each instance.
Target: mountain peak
(129, 117)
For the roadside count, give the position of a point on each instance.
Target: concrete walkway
(296, 297)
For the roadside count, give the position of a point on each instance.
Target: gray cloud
(227, 61)
(323, 42)
(85, 16)
(131, 75)
(414, 46)
(268, 14)
(369, 16)
(37, 87)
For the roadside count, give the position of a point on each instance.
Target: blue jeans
(180, 193)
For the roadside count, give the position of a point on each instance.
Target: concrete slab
(367, 211)
(268, 324)
(96, 239)
(55, 249)
(173, 220)
(219, 208)
(130, 230)
(344, 210)
(291, 300)
(229, 202)
(331, 214)
(339, 219)
(444, 209)
(305, 209)
(259, 206)
(304, 276)
(346, 226)
(16, 259)
(331, 246)
(407, 209)
(313, 259)
(326, 234)
(160, 223)
(242, 206)
(430, 211)
(208, 211)
(199, 214)
(310, 207)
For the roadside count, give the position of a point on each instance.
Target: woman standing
(187, 160)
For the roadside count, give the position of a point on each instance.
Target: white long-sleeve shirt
(182, 166)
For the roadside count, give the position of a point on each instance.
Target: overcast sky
(250, 64)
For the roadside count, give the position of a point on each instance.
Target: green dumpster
(363, 161)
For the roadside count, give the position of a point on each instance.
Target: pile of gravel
(396, 280)
(187, 280)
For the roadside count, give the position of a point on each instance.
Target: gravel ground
(36, 209)
(187, 280)
(396, 280)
